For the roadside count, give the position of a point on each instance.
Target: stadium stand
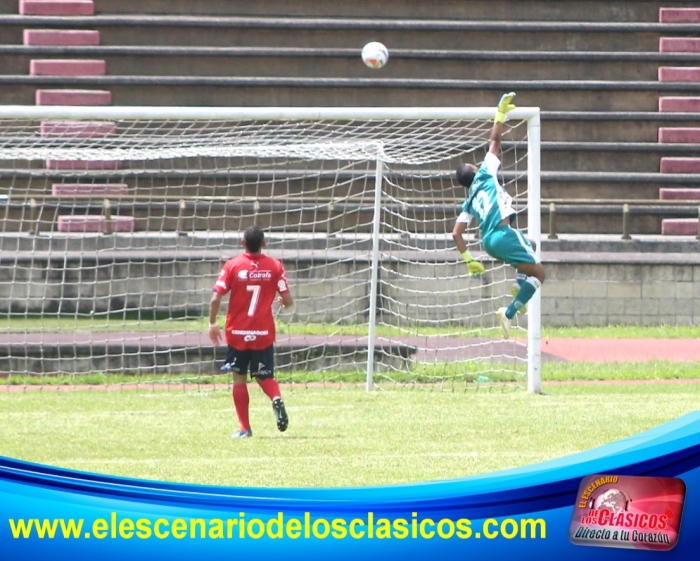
(52, 40)
(613, 78)
(689, 135)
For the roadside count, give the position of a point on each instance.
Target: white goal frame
(529, 114)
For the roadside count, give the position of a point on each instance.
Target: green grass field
(340, 435)
(451, 376)
(337, 437)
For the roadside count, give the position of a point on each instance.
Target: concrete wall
(619, 293)
(422, 287)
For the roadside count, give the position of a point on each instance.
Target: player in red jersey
(253, 281)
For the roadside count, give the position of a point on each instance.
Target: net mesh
(114, 232)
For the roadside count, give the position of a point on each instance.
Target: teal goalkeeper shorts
(509, 245)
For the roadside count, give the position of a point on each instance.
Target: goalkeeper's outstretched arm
(495, 139)
(505, 106)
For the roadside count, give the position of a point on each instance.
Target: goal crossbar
(157, 113)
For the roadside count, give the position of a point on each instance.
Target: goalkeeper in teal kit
(491, 204)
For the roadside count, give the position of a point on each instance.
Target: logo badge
(627, 511)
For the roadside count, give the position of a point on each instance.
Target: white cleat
(505, 322)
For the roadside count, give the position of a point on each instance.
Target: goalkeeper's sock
(270, 387)
(241, 399)
(520, 278)
(527, 291)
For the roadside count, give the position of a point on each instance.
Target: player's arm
(475, 268)
(214, 306)
(285, 299)
(505, 106)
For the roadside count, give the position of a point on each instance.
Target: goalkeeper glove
(505, 105)
(475, 268)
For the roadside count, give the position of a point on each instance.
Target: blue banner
(519, 514)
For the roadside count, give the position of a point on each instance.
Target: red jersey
(253, 281)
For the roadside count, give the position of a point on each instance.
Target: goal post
(118, 218)
(534, 356)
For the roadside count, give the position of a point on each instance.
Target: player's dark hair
(465, 175)
(254, 238)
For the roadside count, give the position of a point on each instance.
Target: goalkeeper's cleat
(280, 414)
(514, 291)
(505, 322)
(247, 433)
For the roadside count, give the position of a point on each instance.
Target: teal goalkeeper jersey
(486, 198)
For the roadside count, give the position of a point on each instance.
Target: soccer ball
(375, 54)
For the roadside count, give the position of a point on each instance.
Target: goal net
(118, 219)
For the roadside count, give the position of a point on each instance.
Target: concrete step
(616, 127)
(555, 156)
(506, 10)
(679, 74)
(680, 165)
(56, 7)
(352, 34)
(185, 184)
(679, 15)
(344, 62)
(229, 241)
(600, 223)
(679, 194)
(570, 217)
(94, 223)
(286, 51)
(686, 104)
(614, 157)
(149, 187)
(73, 97)
(89, 189)
(679, 227)
(61, 37)
(569, 95)
(170, 243)
(679, 135)
(81, 129)
(82, 165)
(582, 185)
(67, 67)
(486, 34)
(679, 45)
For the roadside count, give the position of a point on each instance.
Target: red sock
(240, 402)
(270, 387)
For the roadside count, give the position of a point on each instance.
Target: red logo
(627, 511)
